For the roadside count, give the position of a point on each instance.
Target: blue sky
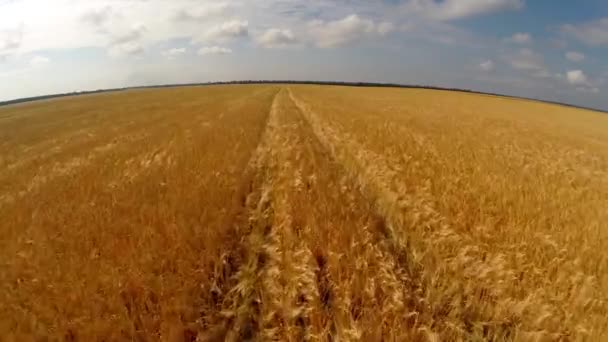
(552, 50)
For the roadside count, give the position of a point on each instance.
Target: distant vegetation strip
(334, 83)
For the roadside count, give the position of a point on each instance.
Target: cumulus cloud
(37, 61)
(173, 53)
(574, 56)
(275, 37)
(344, 31)
(582, 82)
(214, 50)
(577, 77)
(593, 33)
(520, 38)
(229, 30)
(487, 65)
(201, 12)
(459, 9)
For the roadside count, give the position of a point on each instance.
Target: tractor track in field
(277, 276)
(257, 300)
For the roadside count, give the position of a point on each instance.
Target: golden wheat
(302, 213)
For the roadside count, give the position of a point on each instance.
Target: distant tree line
(332, 83)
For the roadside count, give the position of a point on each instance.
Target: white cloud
(575, 56)
(127, 42)
(582, 82)
(117, 34)
(214, 50)
(385, 28)
(577, 77)
(68, 24)
(201, 12)
(459, 9)
(591, 90)
(520, 38)
(229, 30)
(591, 33)
(275, 37)
(61, 25)
(487, 65)
(10, 41)
(173, 53)
(126, 49)
(528, 60)
(97, 16)
(37, 61)
(344, 31)
(134, 33)
(542, 73)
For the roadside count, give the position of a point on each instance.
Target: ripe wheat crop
(269, 212)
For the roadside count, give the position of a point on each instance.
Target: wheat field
(302, 213)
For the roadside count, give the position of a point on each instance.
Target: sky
(546, 49)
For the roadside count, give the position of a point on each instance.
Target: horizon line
(330, 83)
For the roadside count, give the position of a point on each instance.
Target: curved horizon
(328, 83)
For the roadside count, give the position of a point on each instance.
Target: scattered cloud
(385, 28)
(589, 90)
(459, 9)
(276, 38)
(593, 33)
(120, 36)
(520, 38)
(487, 65)
(229, 30)
(201, 12)
(528, 60)
(173, 53)
(214, 50)
(422, 30)
(132, 34)
(97, 16)
(437, 32)
(344, 31)
(128, 42)
(10, 41)
(577, 77)
(582, 82)
(574, 56)
(558, 43)
(37, 61)
(126, 49)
